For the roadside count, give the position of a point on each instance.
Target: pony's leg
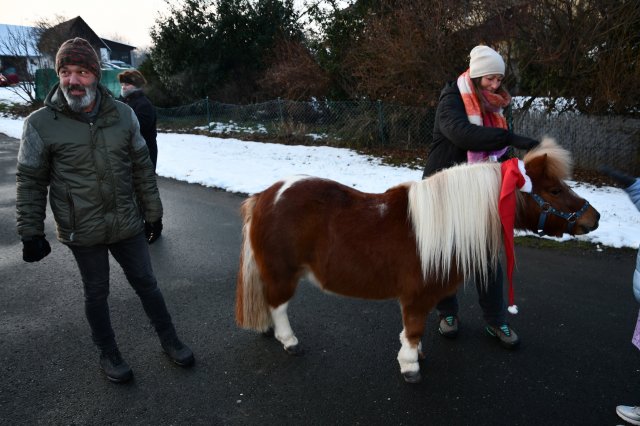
(410, 352)
(283, 331)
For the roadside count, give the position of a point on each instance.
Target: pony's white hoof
(412, 376)
(294, 350)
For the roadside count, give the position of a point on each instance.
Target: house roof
(77, 27)
(18, 40)
(117, 45)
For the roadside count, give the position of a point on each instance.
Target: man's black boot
(115, 368)
(177, 351)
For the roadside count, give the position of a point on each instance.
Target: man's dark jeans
(491, 300)
(133, 256)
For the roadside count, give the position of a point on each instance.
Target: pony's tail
(252, 310)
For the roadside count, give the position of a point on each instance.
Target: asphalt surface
(575, 364)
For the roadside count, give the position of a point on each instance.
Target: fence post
(208, 114)
(280, 110)
(381, 122)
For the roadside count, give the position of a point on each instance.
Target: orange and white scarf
(493, 105)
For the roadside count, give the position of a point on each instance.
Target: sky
(128, 21)
(249, 167)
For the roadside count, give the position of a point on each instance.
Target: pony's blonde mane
(455, 217)
(558, 164)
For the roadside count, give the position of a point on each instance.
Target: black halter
(546, 208)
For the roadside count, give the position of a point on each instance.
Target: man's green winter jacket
(99, 173)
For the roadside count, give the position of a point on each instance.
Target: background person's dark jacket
(146, 113)
(454, 135)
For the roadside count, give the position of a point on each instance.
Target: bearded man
(86, 149)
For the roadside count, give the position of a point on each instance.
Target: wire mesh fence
(365, 124)
(592, 140)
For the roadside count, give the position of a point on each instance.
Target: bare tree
(21, 46)
(587, 51)
(584, 50)
(51, 35)
(294, 73)
(409, 48)
(32, 52)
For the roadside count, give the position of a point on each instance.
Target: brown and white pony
(416, 242)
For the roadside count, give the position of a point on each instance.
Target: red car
(8, 80)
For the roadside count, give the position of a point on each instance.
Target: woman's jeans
(491, 300)
(133, 256)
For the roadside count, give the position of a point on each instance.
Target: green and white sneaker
(448, 326)
(508, 338)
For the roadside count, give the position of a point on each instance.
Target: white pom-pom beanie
(485, 61)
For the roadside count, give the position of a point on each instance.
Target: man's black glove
(35, 248)
(623, 179)
(153, 230)
(522, 142)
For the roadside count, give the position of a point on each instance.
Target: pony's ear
(536, 166)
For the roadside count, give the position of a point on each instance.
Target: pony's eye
(555, 191)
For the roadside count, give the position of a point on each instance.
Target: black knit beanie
(78, 51)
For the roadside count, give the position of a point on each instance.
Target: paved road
(575, 365)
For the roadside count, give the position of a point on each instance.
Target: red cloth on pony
(513, 177)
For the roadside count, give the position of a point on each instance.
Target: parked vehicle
(8, 80)
(116, 65)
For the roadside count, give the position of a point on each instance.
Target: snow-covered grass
(232, 127)
(543, 104)
(13, 95)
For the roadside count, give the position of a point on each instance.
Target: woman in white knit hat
(470, 127)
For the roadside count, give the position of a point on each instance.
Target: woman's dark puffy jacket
(454, 135)
(146, 113)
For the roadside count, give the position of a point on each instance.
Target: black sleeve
(146, 114)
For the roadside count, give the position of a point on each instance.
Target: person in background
(85, 149)
(631, 186)
(470, 127)
(131, 83)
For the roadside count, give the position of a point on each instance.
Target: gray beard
(80, 103)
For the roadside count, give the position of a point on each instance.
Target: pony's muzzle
(589, 222)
